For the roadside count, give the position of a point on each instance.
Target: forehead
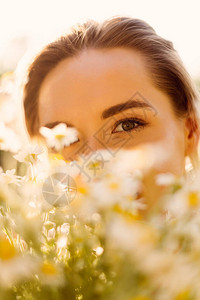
(95, 78)
(97, 62)
(93, 66)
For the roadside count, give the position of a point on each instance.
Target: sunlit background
(28, 24)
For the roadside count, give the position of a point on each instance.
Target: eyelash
(141, 124)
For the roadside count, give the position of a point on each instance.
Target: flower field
(92, 228)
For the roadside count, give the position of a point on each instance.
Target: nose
(92, 143)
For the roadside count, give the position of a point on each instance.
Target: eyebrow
(111, 111)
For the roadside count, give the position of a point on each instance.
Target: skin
(79, 89)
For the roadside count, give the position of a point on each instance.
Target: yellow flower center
(48, 268)
(7, 251)
(129, 216)
(113, 185)
(193, 199)
(59, 137)
(184, 295)
(82, 190)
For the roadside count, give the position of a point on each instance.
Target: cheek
(163, 147)
(171, 151)
(163, 156)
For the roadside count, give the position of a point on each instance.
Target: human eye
(129, 124)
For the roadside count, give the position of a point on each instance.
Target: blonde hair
(164, 66)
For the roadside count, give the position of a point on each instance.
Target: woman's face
(109, 98)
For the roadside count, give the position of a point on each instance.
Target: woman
(121, 86)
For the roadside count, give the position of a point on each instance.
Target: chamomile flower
(51, 273)
(13, 266)
(59, 136)
(30, 154)
(10, 177)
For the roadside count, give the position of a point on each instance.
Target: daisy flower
(10, 177)
(30, 154)
(59, 136)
